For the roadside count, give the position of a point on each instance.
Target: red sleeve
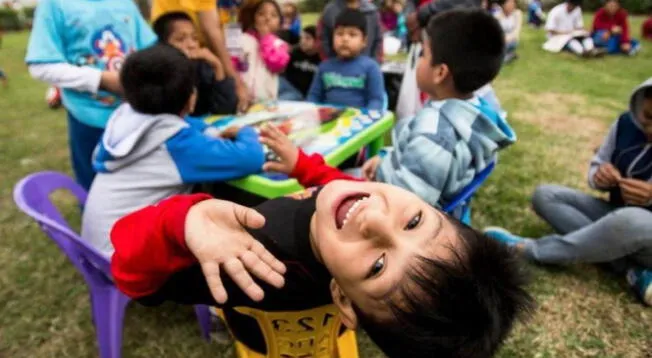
(600, 21)
(622, 20)
(150, 245)
(312, 171)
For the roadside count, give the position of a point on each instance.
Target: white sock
(588, 44)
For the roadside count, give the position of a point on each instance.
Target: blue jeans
(612, 44)
(82, 140)
(589, 230)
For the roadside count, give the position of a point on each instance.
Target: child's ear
(440, 73)
(344, 305)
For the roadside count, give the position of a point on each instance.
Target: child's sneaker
(504, 236)
(641, 282)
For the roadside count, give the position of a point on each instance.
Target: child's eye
(377, 267)
(414, 222)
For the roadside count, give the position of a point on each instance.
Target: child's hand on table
(369, 168)
(287, 152)
(230, 132)
(215, 235)
(636, 192)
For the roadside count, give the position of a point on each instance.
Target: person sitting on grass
(592, 230)
(511, 19)
(611, 29)
(535, 14)
(215, 91)
(456, 135)
(565, 28)
(420, 283)
(149, 152)
(351, 79)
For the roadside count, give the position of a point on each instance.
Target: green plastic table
(371, 136)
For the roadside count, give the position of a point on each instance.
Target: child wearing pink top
(264, 54)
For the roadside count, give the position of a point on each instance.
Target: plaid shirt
(438, 152)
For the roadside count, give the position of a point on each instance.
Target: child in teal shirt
(79, 46)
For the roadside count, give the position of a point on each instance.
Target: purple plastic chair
(32, 195)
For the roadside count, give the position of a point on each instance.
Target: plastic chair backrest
(32, 196)
(300, 334)
(463, 199)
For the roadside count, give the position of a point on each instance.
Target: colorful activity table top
(334, 132)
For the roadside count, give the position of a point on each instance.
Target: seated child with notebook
(455, 136)
(148, 152)
(420, 283)
(350, 79)
(215, 90)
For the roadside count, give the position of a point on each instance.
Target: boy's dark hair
(575, 2)
(311, 30)
(163, 25)
(463, 307)
(352, 18)
(247, 12)
(158, 80)
(471, 43)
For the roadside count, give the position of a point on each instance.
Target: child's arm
(316, 91)
(375, 88)
(603, 155)
(175, 250)
(308, 170)
(275, 53)
(47, 60)
(202, 159)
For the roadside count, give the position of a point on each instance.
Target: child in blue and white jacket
(149, 152)
(456, 135)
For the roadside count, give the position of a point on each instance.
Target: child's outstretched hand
(215, 234)
(369, 168)
(287, 152)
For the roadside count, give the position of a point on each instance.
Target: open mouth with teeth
(347, 207)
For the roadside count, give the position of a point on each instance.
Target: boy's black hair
(575, 2)
(471, 43)
(352, 18)
(462, 308)
(311, 30)
(163, 25)
(158, 80)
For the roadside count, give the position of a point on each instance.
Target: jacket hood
(636, 100)
(129, 135)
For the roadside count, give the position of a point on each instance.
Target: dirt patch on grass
(566, 115)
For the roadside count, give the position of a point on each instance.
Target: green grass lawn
(559, 105)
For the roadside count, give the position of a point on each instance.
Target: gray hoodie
(626, 146)
(143, 159)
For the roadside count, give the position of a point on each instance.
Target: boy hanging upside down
(420, 283)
